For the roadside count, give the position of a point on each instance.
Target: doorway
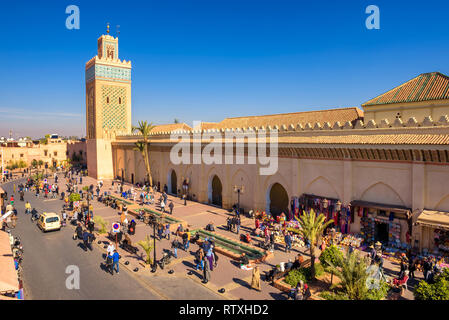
(217, 189)
(381, 232)
(278, 200)
(174, 183)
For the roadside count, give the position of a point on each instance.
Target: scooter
(34, 215)
(166, 259)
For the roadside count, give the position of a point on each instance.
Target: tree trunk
(147, 165)
(312, 262)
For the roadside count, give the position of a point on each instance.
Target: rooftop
(426, 86)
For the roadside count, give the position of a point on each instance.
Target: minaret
(108, 105)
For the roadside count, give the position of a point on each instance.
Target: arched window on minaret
(107, 99)
(119, 100)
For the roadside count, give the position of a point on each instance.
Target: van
(49, 222)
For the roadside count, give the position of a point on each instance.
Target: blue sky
(211, 59)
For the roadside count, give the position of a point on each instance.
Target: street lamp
(238, 190)
(154, 221)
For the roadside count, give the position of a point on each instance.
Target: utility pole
(2, 165)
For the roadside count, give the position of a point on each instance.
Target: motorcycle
(165, 260)
(34, 215)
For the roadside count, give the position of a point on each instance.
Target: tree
(102, 223)
(353, 275)
(147, 247)
(332, 254)
(40, 163)
(34, 163)
(144, 128)
(312, 227)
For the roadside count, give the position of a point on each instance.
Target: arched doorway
(216, 191)
(173, 183)
(277, 200)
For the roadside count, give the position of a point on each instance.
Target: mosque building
(380, 169)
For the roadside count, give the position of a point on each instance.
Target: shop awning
(8, 273)
(380, 206)
(434, 219)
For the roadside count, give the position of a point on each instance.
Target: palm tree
(147, 247)
(144, 128)
(312, 227)
(353, 275)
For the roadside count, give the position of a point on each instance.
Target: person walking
(288, 242)
(171, 206)
(412, 268)
(210, 257)
(115, 260)
(206, 271)
(167, 232)
(215, 256)
(237, 223)
(255, 281)
(175, 245)
(110, 249)
(199, 258)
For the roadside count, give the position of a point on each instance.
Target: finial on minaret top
(107, 28)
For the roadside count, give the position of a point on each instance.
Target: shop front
(432, 234)
(390, 225)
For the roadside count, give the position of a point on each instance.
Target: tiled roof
(427, 86)
(322, 116)
(170, 127)
(357, 139)
(379, 139)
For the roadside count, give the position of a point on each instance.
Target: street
(47, 255)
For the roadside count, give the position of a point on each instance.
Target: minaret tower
(108, 105)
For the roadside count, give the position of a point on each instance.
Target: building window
(45, 152)
(55, 153)
(398, 116)
(119, 100)
(21, 155)
(107, 99)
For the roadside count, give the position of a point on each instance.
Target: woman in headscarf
(255, 281)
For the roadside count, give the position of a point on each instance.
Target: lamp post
(238, 190)
(2, 165)
(154, 221)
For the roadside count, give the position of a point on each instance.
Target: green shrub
(329, 295)
(99, 221)
(436, 291)
(304, 274)
(379, 293)
(295, 276)
(319, 270)
(331, 254)
(74, 197)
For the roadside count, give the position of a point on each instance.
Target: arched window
(107, 99)
(119, 100)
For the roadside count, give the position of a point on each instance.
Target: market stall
(433, 232)
(388, 224)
